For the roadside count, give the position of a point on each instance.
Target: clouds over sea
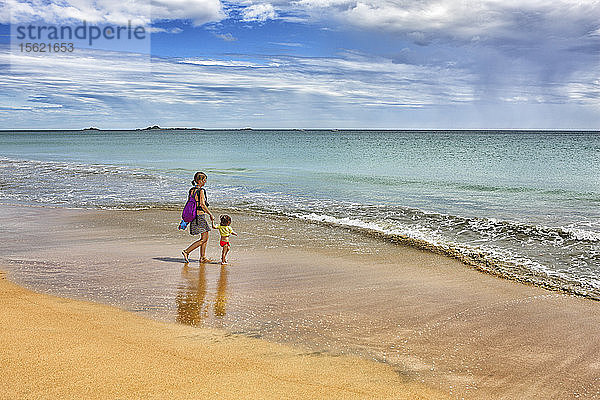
(316, 63)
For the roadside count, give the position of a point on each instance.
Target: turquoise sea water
(524, 205)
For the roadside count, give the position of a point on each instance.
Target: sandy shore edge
(60, 348)
(428, 318)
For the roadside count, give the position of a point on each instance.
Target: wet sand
(330, 290)
(54, 348)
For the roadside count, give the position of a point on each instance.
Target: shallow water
(519, 204)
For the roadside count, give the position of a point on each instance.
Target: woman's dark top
(198, 195)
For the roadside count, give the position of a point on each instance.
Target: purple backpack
(189, 211)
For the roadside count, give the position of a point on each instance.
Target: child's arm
(233, 233)
(213, 225)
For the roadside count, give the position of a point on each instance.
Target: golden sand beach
(53, 348)
(325, 302)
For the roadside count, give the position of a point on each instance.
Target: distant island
(158, 128)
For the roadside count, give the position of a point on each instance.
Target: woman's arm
(203, 204)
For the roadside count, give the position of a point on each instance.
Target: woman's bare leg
(193, 246)
(199, 243)
(204, 242)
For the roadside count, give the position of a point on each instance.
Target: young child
(225, 230)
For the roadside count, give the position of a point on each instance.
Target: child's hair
(197, 177)
(225, 220)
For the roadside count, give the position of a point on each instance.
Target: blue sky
(394, 64)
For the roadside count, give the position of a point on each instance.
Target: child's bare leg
(224, 254)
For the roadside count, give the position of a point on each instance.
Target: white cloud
(353, 79)
(258, 13)
(37, 106)
(91, 86)
(527, 21)
(199, 11)
(108, 90)
(468, 20)
(154, 29)
(225, 63)
(228, 37)
(287, 44)
(111, 11)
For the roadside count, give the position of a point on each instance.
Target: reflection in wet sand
(221, 299)
(192, 305)
(190, 297)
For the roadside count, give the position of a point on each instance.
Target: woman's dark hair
(225, 220)
(197, 177)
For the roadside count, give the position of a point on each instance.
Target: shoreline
(476, 262)
(469, 259)
(457, 330)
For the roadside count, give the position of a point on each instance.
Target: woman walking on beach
(199, 226)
